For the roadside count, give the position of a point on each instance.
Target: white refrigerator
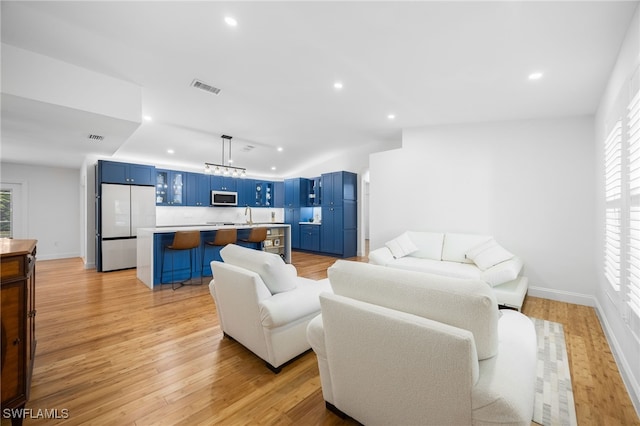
(123, 209)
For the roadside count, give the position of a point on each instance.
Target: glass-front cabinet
(263, 194)
(170, 188)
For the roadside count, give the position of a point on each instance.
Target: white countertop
(309, 223)
(211, 227)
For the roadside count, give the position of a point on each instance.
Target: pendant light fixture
(225, 168)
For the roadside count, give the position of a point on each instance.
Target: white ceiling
(426, 62)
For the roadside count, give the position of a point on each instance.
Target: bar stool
(221, 239)
(257, 237)
(182, 240)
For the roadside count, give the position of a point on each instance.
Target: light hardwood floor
(110, 351)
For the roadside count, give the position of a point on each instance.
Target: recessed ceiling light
(273, 167)
(147, 118)
(230, 21)
(391, 116)
(535, 76)
(337, 85)
(279, 149)
(170, 151)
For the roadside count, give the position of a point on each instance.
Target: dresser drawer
(13, 267)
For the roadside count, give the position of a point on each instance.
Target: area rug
(553, 404)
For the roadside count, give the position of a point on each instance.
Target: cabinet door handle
(16, 342)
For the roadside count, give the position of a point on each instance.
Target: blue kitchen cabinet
(314, 197)
(224, 183)
(292, 217)
(295, 194)
(125, 173)
(332, 230)
(246, 192)
(278, 188)
(170, 188)
(339, 214)
(263, 195)
(294, 200)
(198, 192)
(310, 237)
(338, 186)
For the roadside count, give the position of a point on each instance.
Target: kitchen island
(151, 243)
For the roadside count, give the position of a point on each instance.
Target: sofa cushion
(276, 275)
(438, 267)
(456, 246)
(504, 394)
(401, 246)
(429, 244)
(463, 303)
(488, 254)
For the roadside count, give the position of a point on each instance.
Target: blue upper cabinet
(246, 192)
(224, 183)
(338, 186)
(278, 188)
(126, 173)
(263, 194)
(295, 192)
(198, 190)
(315, 192)
(170, 188)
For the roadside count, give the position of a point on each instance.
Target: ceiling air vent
(204, 86)
(247, 148)
(96, 138)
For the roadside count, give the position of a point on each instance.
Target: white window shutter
(633, 257)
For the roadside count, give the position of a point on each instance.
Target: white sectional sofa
(407, 348)
(456, 255)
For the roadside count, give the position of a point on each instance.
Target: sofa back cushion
(466, 304)
(456, 246)
(429, 244)
(276, 275)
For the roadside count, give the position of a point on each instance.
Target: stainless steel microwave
(224, 198)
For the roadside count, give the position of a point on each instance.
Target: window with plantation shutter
(613, 194)
(633, 257)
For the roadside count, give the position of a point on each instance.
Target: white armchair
(263, 304)
(404, 347)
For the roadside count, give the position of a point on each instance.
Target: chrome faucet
(248, 209)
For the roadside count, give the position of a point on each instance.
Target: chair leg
(173, 281)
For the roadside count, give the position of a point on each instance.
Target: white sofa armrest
(290, 306)
(385, 368)
(381, 256)
(503, 272)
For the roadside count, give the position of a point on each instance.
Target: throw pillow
(277, 276)
(488, 254)
(401, 246)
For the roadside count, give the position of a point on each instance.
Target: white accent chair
(405, 347)
(263, 304)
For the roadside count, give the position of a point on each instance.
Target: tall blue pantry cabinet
(339, 234)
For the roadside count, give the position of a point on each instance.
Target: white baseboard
(562, 296)
(632, 385)
(55, 256)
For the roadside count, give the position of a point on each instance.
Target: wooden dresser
(17, 290)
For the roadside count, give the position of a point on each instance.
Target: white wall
(52, 200)
(527, 183)
(612, 309)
